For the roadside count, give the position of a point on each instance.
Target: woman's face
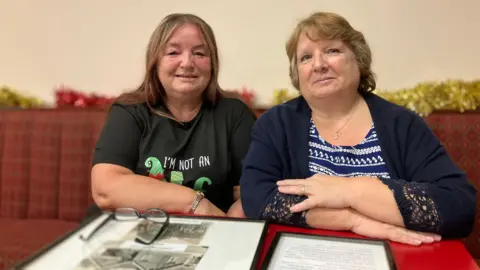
(325, 67)
(184, 68)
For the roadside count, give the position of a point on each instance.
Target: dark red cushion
(460, 135)
(46, 158)
(20, 238)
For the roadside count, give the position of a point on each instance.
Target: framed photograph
(184, 242)
(308, 251)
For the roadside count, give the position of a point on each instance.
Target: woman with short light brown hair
(339, 157)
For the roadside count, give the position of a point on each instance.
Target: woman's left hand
(322, 191)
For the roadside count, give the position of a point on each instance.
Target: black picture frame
(255, 261)
(273, 246)
(24, 263)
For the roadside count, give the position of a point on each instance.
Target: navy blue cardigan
(422, 174)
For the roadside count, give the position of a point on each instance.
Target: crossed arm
(368, 196)
(436, 198)
(363, 211)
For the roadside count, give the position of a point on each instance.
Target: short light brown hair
(332, 26)
(151, 91)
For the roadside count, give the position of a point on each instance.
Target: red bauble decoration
(67, 97)
(247, 96)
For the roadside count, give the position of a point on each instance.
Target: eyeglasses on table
(155, 215)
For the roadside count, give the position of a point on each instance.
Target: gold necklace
(335, 135)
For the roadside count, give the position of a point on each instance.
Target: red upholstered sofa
(460, 135)
(44, 176)
(45, 172)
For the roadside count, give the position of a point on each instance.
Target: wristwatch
(199, 197)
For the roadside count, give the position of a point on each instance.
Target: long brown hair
(151, 90)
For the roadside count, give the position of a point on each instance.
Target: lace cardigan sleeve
(278, 210)
(432, 193)
(419, 210)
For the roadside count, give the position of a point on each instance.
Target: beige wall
(98, 45)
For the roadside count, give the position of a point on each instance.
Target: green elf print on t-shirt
(155, 168)
(157, 171)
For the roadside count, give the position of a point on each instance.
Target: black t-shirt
(204, 154)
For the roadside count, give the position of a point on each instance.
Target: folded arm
(115, 187)
(395, 202)
(278, 210)
(341, 219)
(435, 195)
(347, 219)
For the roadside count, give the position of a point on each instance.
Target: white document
(297, 252)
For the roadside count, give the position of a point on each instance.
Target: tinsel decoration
(68, 97)
(282, 95)
(11, 98)
(424, 98)
(427, 97)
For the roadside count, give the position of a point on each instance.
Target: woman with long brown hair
(176, 142)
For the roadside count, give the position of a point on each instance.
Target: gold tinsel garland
(424, 98)
(10, 98)
(282, 95)
(427, 97)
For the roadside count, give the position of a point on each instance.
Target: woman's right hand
(206, 208)
(368, 227)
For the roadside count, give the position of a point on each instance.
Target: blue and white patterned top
(363, 159)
